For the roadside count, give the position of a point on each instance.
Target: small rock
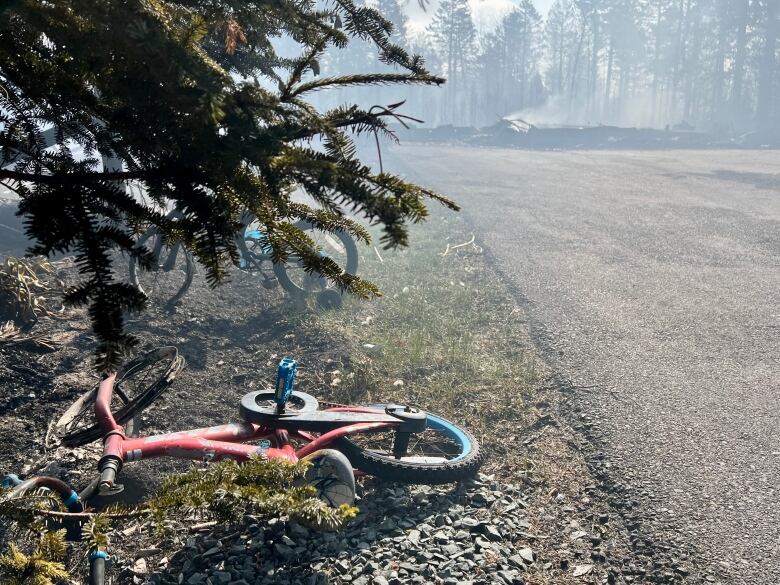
(511, 577)
(582, 570)
(491, 532)
(388, 525)
(450, 549)
(139, 566)
(526, 554)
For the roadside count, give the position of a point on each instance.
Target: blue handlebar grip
(97, 567)
(285, 380)
(72, 501)
(98, 554)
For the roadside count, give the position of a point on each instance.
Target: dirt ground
(446, 329)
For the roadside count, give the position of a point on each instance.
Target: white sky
(486, 13)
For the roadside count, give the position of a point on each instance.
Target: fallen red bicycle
(390, 441)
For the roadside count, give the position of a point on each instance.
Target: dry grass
(23, 288)
(446, 336)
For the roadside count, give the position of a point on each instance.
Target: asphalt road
(655, 280)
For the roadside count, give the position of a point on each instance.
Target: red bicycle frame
(210, 443)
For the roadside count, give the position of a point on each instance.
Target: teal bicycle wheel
(443, 453)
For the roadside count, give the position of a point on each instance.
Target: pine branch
(182, 94)
(368, 79)
(72, 178)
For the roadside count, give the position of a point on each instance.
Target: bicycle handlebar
(109, 466)
(70, 497)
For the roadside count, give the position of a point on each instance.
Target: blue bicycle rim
(445, 427)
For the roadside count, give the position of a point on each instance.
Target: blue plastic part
(259, 236)
(98, 554)
(263, 446)
(73, 498)
(10, 480)
(285, 380)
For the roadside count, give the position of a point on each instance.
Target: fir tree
(207, 116)
(455, 37)
(392, 11)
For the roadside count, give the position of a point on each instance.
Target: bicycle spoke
(427, 444)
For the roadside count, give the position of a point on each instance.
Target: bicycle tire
(384, 466)
(189, 270)
(84, 404)
(250, 257)
(136, 404)
(350, 267)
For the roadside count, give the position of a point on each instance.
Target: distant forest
(705, 64)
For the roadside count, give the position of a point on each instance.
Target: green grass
(448, 329)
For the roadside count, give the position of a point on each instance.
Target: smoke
(635, 111)
(485, 13)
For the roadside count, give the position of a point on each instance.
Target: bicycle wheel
(339, 246)
(81, 413)
(443, 453)
(138, 383)
(255, 251)
(171, 276)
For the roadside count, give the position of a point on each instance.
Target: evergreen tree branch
(368, 79)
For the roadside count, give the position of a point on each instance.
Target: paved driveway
(655, 277)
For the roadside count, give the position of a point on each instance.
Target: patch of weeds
(446, 336)
(23, 288)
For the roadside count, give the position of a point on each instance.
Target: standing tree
(207, 116)
(454, 35)
(394, 13)
(767, 71)
(562, 40)
(509, 60)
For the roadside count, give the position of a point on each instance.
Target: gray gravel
(652, 279)
(452, 536)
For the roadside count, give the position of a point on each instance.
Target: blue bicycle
(171, 277)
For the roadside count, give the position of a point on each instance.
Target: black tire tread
(136, 405)
(280, 269)
(190, 270)
(397, 471)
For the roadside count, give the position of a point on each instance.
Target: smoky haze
(709, 65)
